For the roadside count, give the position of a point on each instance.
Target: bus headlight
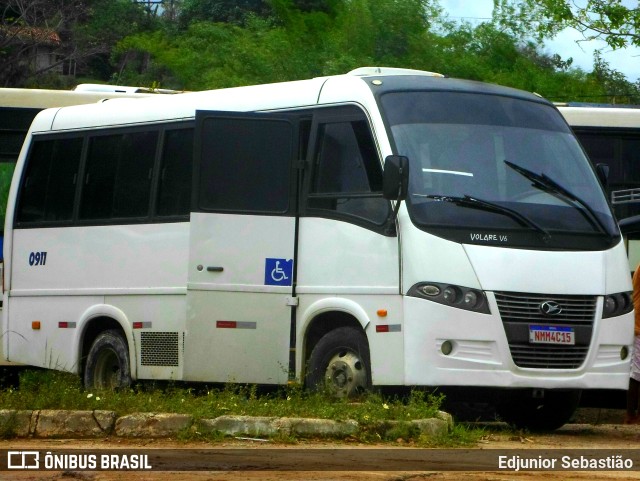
(617, 304)
(450, 295)
(455, 296)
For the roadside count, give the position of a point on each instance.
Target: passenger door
(242, 237)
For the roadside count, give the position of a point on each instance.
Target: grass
(58, 390)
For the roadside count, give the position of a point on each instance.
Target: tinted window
(174, 189)
(347, 175)
(621, 152)
(49, 183)
(14, 124)
(245, 164)
(489, 149)
(117, 181)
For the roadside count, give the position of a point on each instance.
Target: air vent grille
(159, 348)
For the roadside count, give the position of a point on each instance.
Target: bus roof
(609, 116)
(356, 86)
(123, 89)
(43, 98)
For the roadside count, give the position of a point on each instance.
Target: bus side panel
(58, 273)
(345, 268)
(158, 323)
(100, 258)
(381, 317)
(44, 330)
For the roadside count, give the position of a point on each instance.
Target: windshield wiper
(475, 203)
(548, 185)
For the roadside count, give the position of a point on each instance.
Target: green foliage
(207, 44)
(73, 33)
(227, 11)
(374, 412)
(291, 44)
(6, 173)
(45, 389)
(295, 43)
(609, 20)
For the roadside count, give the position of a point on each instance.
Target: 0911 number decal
(37, 258)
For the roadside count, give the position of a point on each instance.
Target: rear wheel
(540, 414)
(108, 362)
(340, 363)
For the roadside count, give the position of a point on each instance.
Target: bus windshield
(483, 165)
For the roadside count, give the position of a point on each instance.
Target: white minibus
(386, 227)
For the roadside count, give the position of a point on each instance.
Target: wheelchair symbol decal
(278, 272)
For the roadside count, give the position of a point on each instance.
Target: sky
(626, 61)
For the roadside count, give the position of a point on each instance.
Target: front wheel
(108, 362)
(340, 363)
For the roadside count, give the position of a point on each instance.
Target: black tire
(549, 413)
(340, 364)
(107, 365)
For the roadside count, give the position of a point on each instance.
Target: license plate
(552, 335)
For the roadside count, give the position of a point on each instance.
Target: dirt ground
(615, 437)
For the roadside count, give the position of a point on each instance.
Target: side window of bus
(49, 183)
(347, 174)
(174, 188)
(245, 165)
(117, 180)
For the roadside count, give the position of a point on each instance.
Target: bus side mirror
(602, 171)
(395, 181)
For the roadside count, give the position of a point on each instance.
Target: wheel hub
(345, 374)
(107, 371)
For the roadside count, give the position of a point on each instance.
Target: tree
(27, 28)
(224, 11)
(608, 20)
(39, 37)
(295, 41)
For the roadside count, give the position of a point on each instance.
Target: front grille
(159, 348)
(548, 357)
(520, 310)
(516, 307)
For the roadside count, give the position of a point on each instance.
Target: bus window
(117, 181)
(251, 153)
(48, 186)
(347, 177)
(621, 151)
(174, 189)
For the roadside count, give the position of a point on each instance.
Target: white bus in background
(610, 135)
(381, 228)
(18, 108)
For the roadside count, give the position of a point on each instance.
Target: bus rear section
(369, 229)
